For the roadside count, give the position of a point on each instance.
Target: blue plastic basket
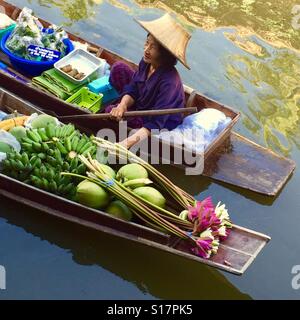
(30, 67)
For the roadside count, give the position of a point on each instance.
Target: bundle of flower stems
(200, 222)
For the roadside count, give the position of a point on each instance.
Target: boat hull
(236, 253)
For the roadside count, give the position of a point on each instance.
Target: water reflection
(267, 78)
(273, 99)
(76, 10)
(271, 20)
(73, 10)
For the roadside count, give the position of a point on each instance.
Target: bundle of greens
(200, 223)
(29, 31)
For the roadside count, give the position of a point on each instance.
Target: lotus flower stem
(206, 224)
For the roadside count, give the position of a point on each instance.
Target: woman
(156, 84)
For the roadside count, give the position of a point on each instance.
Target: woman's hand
(118, 111)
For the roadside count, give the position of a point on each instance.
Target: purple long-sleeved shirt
(162, 90)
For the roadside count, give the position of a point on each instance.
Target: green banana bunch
(46, 152)
(17, 165)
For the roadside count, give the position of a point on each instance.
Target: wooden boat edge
(292, 164)
(137, 239)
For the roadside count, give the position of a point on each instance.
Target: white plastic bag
(198, 130)
(208, 119)
(8, 138)
(191, 139)
(104, 69)
(30, 31)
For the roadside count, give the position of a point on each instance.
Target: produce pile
(200, 223)
(73, 72)
(29, 31)
(59, 159)
(47, 150)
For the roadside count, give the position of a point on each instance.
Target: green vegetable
(18, 132)
(50, 130)
(132, 171)
(108, 170)
(119, 209)
(42, 133)
(152, 195)
(92, 195)
(34, 136)
(42, 121)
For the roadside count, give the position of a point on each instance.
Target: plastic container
(102, 85)
(2, 115)
(30, 67)
(83, 61)
(8, 29)
(84, 98)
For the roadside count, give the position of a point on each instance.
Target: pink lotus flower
(204, 244)
(203, 215)
(211, 225)
(199, 205)
(203, 248)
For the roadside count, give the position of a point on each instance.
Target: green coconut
(132, 171)
(92, 195)
(5, 148)
(119, 209)
(42, 121)
(18, 132)
(152, 195)
(108, 170)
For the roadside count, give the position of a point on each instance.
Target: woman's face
(151, 51)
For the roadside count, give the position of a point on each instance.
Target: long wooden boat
(235, 254)
(231, 158)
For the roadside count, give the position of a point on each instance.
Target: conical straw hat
(169, 34)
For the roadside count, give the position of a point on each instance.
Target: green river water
(243, 53)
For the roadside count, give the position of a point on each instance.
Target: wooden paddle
(140, 113)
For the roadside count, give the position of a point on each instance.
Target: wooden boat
(235, 254)
(231, 158)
